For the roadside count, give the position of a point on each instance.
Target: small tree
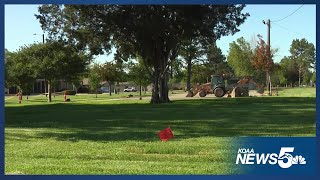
(262, 59)
(108, 72)
(94, 78)
(240, 54)
(138, 74)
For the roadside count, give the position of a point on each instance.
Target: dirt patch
(254, 93)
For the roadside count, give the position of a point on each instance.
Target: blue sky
(21, 24)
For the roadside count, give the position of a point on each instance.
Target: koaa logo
(284, 159)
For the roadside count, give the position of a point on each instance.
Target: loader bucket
(190, 94)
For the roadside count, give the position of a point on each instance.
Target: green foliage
(94, 77)
(50, 61)
(296, 68)
(108, 72)
(215, 61)
(239, 57)
(303, 54)
(138, 74)
(19, 70)
(314, 77)
(56, 60)
(9, 73)
(176, 71)
(200, 74)
(278, 75)
(152, 32)
(306, 78)
(289, 70)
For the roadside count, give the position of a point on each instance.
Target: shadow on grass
(275, 116)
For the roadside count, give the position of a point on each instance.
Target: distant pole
(268, 24)
(269, 55)
(39, 35)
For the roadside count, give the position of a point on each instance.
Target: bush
(70, 92)
(83, 90)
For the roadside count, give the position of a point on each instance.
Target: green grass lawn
(109, 136)
(297, 92)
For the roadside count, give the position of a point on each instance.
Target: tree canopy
(50, 61)
(94, 77)
(239, 57)
(303, 54)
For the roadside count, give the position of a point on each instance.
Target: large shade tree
(303, 54)
(154, 32)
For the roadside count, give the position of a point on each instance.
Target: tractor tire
(202, 94)
(219, 92)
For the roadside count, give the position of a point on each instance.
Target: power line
(289, 29)
(289, 14)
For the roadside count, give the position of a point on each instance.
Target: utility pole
(35, 34)
(269, 55)
(45, 84)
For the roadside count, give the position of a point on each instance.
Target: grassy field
(119, 136)
(297, 92)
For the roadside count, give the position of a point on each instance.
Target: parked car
(130, 89)
(104, 89)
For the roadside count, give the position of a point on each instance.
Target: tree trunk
(299, 77)
(270, 85)
(268, 82)
(164, 88)
(140, 92)
(21, 92)
(189, 74)
(155, 88)
(110, 89)
(49, 91)
(45, 86)
(164, 78)
(96, 92)
(161, 57)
